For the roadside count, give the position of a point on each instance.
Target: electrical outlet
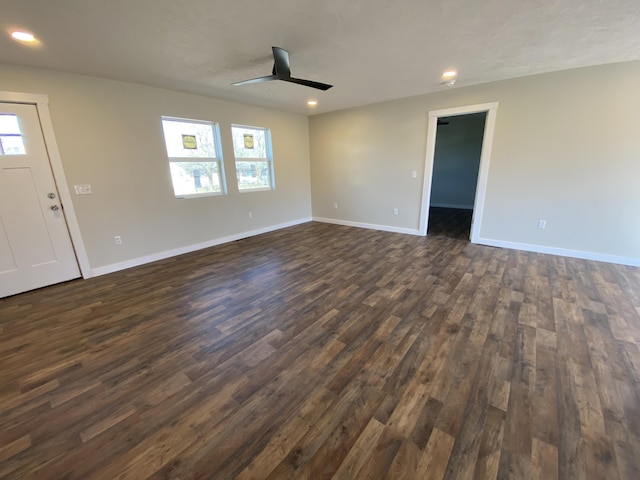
(542, 224)
(335, 204)
(117, 239)
(250, 214)
(82, 189)
(395, 211)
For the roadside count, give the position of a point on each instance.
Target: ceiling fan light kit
(282, 71)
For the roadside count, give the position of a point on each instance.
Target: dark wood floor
(323, 351)
(450, 222)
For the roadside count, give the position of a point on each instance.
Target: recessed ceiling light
(312, 103)
(449, 74)
(23, 36)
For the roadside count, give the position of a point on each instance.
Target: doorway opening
(456, 170)
(456, 164)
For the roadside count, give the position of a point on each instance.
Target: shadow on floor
(450, 222)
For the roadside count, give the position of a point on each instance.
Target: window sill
(249, 190)
(199, 195)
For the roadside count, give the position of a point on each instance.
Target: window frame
(217, 142)
(268, 160)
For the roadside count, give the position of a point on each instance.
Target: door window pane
(11, 145)
(10, 136)
(9, 125)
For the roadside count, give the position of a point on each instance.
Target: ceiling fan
(281, 71)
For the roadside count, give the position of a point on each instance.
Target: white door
(35, 246)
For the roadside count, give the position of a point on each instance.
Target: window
(10, 136)
(254, 162)
(194, 157)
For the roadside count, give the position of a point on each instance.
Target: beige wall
(566, 149)
(109, 135)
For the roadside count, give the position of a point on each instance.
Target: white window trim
(268, 160)
(215, 126)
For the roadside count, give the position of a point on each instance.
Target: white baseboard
(451, 205)
(370, 226)
(154, 257)
(564, 252)
(134, 262)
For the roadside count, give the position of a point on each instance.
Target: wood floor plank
(464, 455)
(102, 426)
(517, 434)
(15, 447)
(379, 459)
(334, 450)
(434, 460)
(488, 460)
(544, 461)
(327, 352)
(284, 440)
(513, 465)
(405, 463)
(358, 454)
(311, 442)
(426, 422)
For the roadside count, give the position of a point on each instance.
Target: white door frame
(483, 172)
(41, 103)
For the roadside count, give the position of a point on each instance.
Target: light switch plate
(82, 189)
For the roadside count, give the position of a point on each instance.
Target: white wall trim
(564, 252)
(451, 205)
(485, 157)
(370, 226)
(42, 106)
(135, 262)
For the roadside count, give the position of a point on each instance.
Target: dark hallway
(450, 222)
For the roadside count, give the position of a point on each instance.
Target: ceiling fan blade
(282, 71)
(257, 80)
(307, 83)
(281, 62)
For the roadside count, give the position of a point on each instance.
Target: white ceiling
(371, 50)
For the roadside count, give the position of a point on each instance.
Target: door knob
(54, 207)
(51, 195)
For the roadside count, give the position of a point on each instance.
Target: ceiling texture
(370, 50)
